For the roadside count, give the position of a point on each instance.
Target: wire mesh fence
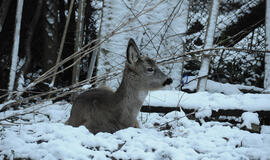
(237, 67)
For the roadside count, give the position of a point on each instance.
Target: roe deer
(102, 110)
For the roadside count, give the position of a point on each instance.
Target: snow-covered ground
(217, 87)
(45, 136)
(206, 100)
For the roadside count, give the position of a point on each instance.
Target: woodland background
(92, 48)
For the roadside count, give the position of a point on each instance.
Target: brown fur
(102, 110)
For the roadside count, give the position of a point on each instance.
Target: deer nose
(167, 82)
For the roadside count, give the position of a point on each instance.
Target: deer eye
(150, 69)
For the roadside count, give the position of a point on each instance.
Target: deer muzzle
(167, 82)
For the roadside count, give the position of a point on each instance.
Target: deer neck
(130, 96)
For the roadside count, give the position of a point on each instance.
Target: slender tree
(15, 48)
(96, 52)
(177, 70)
(267, 54)
(78, 39)
(209, 39)
(28, 46)
(30, 34)
(50, 45)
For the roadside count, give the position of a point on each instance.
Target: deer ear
(133, 53)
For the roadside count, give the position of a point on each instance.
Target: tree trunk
(177, 70)
(96, 51)
(15, 48)
(50, 47)
(78, 40)
(267, 47)
(63, 40)
(30, 33)
(209, 38)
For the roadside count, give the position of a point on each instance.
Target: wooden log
(159, 109)
(264, 116)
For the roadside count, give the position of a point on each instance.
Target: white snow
(250, 118)
(87, 86)
(20, 83)
(216, 87)
(206, 112)
(265, 129)
(206, 100)
(50, 20)
(43, 135)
